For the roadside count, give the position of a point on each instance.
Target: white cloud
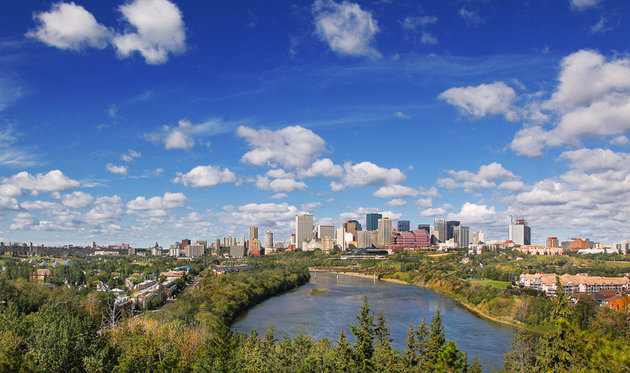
(583, 4)
(310, 206)
(529, 141)
(367, 173)
(119, 170)
(485, 178)
(23, 220)
(290, 147)
(54, 180)
(106, 210)
(600, 26)
(348, 29)
(427, 38)
(263, 214)
(279, 173)
(77, 199)
(337, 187)
(431, 192)
(470, 16)
(8, 204)
(130, 155)
(360, 212)
(279, 196)
(437, 211)
(156, 206)
(478, 215)
(160, 30)
(485, 99)
(424, 203)
(402, 115)
(184, 134)
(412, 23)
(620, 140)
(397, 202)
(9, 190)
(205, 176)
(279, 185)
(69, 26)
(513, 186)
(395, 191)
(596, 159)
(323, 167)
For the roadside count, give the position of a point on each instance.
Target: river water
(323, 316)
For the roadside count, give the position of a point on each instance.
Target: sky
(139, 121)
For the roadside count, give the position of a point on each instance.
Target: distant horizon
(151, 120)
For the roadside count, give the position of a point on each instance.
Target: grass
(492, 283)
(319, 291)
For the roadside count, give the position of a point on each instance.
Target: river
(323, 316)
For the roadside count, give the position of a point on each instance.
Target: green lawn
(493, 283)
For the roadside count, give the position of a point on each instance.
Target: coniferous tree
(475, 367)
(434, 343)
(344, 357)
(451, 359)
(364, 334)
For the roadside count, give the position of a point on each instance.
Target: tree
(451, 359)
(434, 343)
(344, 357)
(475, 367)
(364, 333)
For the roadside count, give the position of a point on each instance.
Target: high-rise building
(364, 240)
(385, 231)
(217, 245)
(255, 247)
(351, 228)
(269, 240)
(519, 232)
(426, 227)
(440, 226)
(340, 238)
(185, 242)
(357, 225)
(371, 221)
(325, 231)
(253, 235)
(303, 229)
(478, 237)
(403, 226)
(449, 228)
(552, 242)
(461, 236)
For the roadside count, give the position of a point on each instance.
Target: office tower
(253, 235)
(385, 231)
(461, 236)
(478, 237)
(449, 228)
(403, 226)
(357, 225)
(217, 245)
(364, 240)
(519, 232)
(255, 247)
(440, 226)
(350, 227)
(371, 221)
(303, 229)
(340, 238)
(269, 240)
(325, 231)
(552, 241)
(185, 242)
(426, 227)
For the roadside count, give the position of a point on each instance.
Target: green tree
(434, 343)
(344, 356)
(364, 334)
(475, 367)
(451, 359)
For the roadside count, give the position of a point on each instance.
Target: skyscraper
(251, 243)
(449, 228)
(357, 225)
(440, 226)
(403, 226)
(426, 227)
(351, 227)
(371, 221)
(303, 229)
(325, 230)
(519, 232)
(478, 237)
(461, 236)
(269, 240)
(385, 231)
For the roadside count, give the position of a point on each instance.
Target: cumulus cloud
(592, 100)
(395, 191)
(323, 167)
(159, 30)
(337, 187)
(346, 28)
(156, 206)
(8, 204)
(292, 147)
(106, 209)
(396, 202)
(130, 155)
(620, 140)
(114, 169)
(427, 38)
(54, 180)
(412, 23)
(362, 211)
(186, 134)
(263, 214)
(470, 16)
(310, 206)
(205, 176)
(478, 215)
(77, 199)
(485, 99)
(279, 196)
(436, 211)
(9, 190)
(367, 173)
(583, 4)
(400, 114)
(22, 221)
(424, 203)
(279, 185)
(596, 159)
(485, 178)
(69, 26)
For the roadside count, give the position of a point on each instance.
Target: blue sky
(148, 120)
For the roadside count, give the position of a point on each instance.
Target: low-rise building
(573, 284)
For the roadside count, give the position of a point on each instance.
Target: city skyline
(203, 120)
